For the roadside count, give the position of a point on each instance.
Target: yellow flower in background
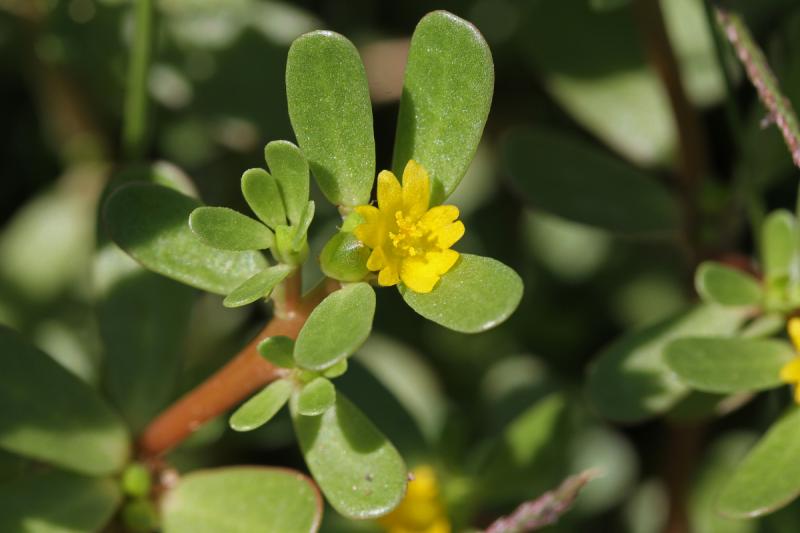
(790, 373)
(409, 242)
(421, 511)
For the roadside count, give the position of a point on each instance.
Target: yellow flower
(790, 373)
(421, 511)
(409, 242)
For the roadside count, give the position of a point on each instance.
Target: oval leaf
(50, 415)
(330, 111)
(149, 222)
(54, 501)
(769, 477)
(357, 468)
(259, 409)
(447, 92)
(571, 179)
(262, 195)
(728, 365)
(237, 499)
(316, 397)
(478, 293)
(259, 286)
(630, 381)
(778, 244)
(720, 284)
(301, 229)
(226, 229)
(336, 328)
(290, 168)
(278, 350)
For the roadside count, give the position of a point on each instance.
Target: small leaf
(574, 180)
(227, 229)
(720, 284)
(259, 409)
(262, 195)
(238, 499)
(728, 365)
(301, 229)
(447, 92)
(50, 415)
(778, 244)
(278, 350)
(630, 381)
(344, 258)
(149, 222)
(477, 294)
(54, 501)
(316, 397)
(330, 111)
(336, 328)
(336, 370)
(290, 168)
(257, 287)
(769, 477)
(357, 468)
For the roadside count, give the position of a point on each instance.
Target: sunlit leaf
(257, 287)
(720, 284)
(316, 397)
(259, 409)
(227, 229)
(290, 168)
(262, 195)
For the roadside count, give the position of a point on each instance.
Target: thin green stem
(134, 135)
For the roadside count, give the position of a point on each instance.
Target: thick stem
(240, 377)
(134, 133)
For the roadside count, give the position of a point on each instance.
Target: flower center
(411, 238)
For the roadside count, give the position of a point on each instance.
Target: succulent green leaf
(238, 499)
(136, 480)
(336, 370)
(728, 365)
(259, 409)
(344, 258)
(336, 327)
(278, 350)
(51, 415)
(477, 294)
(571, 179)
(143, 319)
(769, 477)
(54, 501)
(360, 472)
(316, 397)
(226, 229)
(630, 381)
(301, 229)
(779, 242)
(149, 222)
(257, 287)
(447, 93)
(723, 285)
(330, 111)
(290, 168)
(263, 196)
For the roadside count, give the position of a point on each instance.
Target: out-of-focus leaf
(613, 455)
(779, 243)
(54, 501)
(728, 365)
(357, 468)
(769, 477)
(50, 415)
(336, 327)
(316, 397)
(720, 284)
(226, 229)
(477, 294)
(143, 318)
(150, 223)
(239, 499)
(259, 286)
(568, 178)
(330, 110)
(290, 168)
(447, 92)
(261, 192)
(259, 409)
(630, 380)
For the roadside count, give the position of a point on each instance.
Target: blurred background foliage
(580, 184)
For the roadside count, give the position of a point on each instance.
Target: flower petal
(448, 235)
(790, 373)
(794, 332)
(388, 276)
(439, 216)
(376, 260)
(416, 190)
(442, 261)
(390, 194)
(418, 275)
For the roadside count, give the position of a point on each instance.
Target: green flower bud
(136, 480)
(345, 258)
